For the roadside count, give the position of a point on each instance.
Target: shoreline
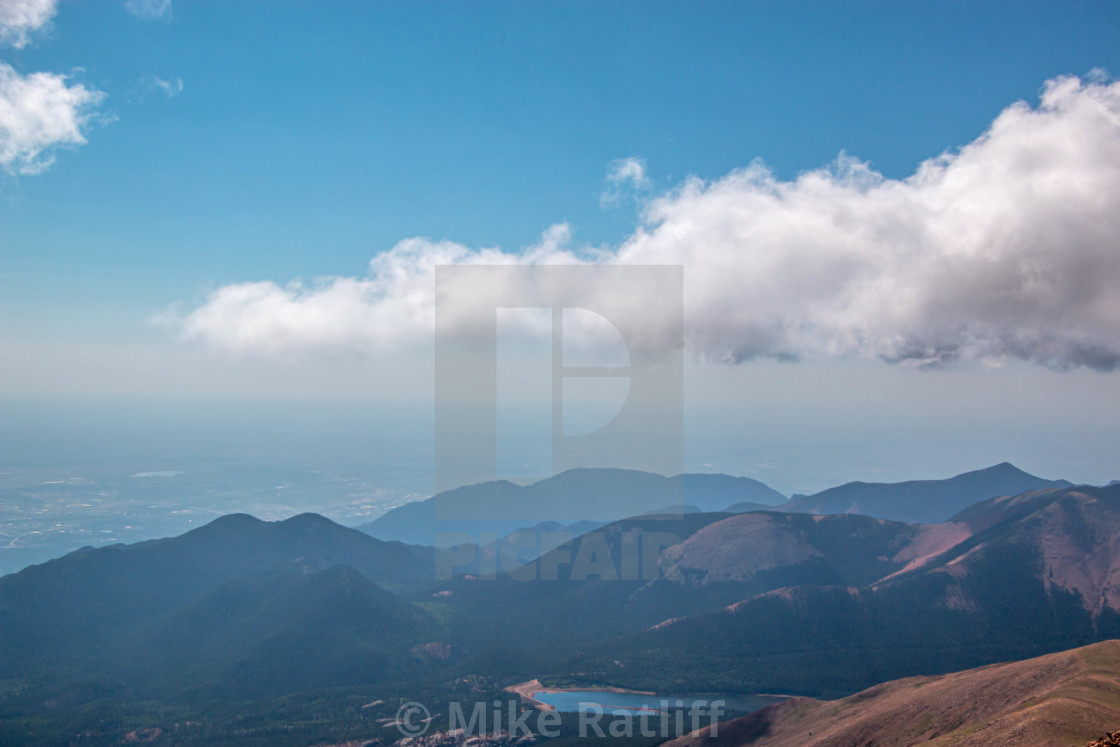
(528, 689)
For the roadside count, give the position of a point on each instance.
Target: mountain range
(501, 507)
(243, 612)
(819, 605)
(480, 513)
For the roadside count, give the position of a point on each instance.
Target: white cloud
(623, 175)
(169, 88)
(390, 308)
(19, 18)
(1006, 249)
(149, 10)
(39, 113)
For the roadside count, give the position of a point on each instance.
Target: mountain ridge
(921, 501)
(501, 507)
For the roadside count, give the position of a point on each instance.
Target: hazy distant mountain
(711, 492)
(745, 506)
(502, 507)
(221, 595)
(1057, 700)
(921, 501)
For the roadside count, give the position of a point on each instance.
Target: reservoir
(573, 701)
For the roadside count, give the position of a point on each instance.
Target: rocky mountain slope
(1057, 700)
(840, 602)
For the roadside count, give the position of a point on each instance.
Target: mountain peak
(308, 519)
(580, 475)
(230, 523)
(240, 519)
(1001, 468)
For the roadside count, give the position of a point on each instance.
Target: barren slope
(1061, 699)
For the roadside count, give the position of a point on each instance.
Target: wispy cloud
(624, 175)
(19, 19)
(39, 113)
(1008, 248)
(170, 87)
(149, 10)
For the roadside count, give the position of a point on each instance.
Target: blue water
(574, 701)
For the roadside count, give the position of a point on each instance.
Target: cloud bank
(20, 18)
(390, 309)
(39, 113)
(1006, 249)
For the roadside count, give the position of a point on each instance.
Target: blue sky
(308, 137)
